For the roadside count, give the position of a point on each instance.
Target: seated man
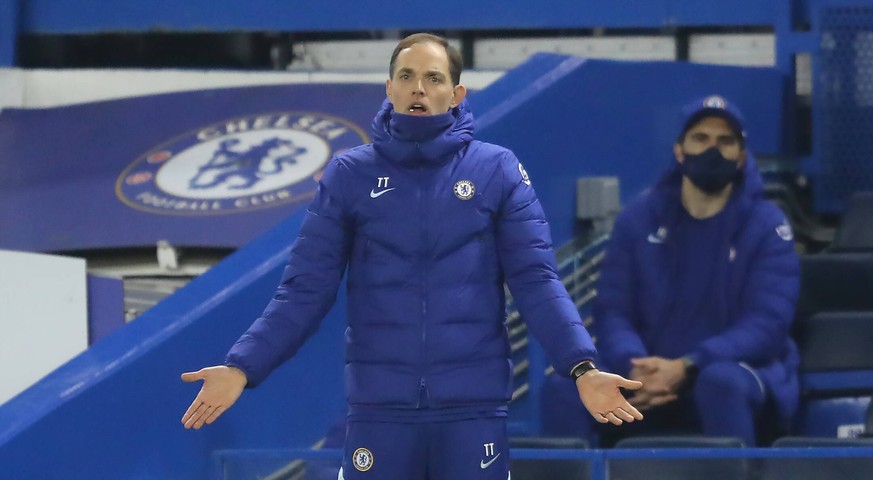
(697, 292)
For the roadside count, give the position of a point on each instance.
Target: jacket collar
(430, 140)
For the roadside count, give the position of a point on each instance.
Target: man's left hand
(599, 392)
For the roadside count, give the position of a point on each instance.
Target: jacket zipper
(423, 255)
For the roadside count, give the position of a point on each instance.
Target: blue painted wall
(595, 117)
(52, 16)
(8, 31)
(57, 17)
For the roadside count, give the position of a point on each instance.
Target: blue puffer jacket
(755, 287)
(430, 224)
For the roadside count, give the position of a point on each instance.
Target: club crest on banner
(238, 165)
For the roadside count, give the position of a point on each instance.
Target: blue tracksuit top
(747, 300)
(430, 224)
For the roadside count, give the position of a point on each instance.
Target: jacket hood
(412, 140)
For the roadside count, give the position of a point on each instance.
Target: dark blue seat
(831, 416)
(819, 468)
(834, 332)
(831, 341)
(549, 469)
(835, 282)
(856, 230)
(679, 468)
(868, 422)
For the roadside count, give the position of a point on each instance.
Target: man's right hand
(222, 386)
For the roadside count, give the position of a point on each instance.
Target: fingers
(193, 376)
(663, 399)
(632, 412)
(610, 416)
(619, 416)
(645, 362)
(630, 384)
(199, 414)
(624, 415)
(659, 390)
(190, 412)
(215, 414)
(207, 413)
(192, 415)
(646, 365)
(639, 401)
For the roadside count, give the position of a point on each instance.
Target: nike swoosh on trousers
(484, 465)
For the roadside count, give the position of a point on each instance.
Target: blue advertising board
(212, 168)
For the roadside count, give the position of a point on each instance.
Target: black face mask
(709, 171)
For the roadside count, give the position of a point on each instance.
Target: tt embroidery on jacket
(382, 183)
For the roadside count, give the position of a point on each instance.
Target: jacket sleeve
(308, 287)
(525, 249)
(615, 321)
(766, 309)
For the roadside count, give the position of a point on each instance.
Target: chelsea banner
(208, 168)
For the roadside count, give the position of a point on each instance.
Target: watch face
(582, 368)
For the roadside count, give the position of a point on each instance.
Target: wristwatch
(582, 369)
(690, 366)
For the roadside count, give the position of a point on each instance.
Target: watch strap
(582, 368)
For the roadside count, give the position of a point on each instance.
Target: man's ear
(678, 153)
(458, 95)
(388, 90)
(742, 160)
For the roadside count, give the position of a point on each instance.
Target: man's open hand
(222, 386)
(600, 394)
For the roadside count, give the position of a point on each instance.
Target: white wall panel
(43, 316)
(359, 55)
(52, 88)
(747, 49)
(507, 53)
(11, 88)
(803, 69)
